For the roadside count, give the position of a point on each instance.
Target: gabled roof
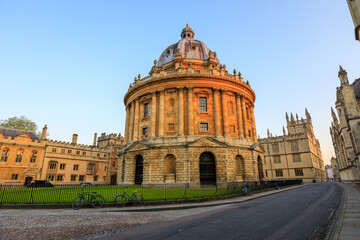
(14, 132)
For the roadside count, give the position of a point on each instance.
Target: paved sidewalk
(348, 223)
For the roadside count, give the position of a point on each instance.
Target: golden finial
(187, 25)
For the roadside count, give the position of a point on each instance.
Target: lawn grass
(66, 194)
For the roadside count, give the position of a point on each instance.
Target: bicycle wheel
(120, 201)
(97, 201)
(137, 200)
(78, 203)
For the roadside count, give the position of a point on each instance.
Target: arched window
(4, 155)
(170, 165)
(239, 162)
(33, 156)
(19, 155)
(171, 103)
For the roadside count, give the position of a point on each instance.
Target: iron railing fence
(64, 194)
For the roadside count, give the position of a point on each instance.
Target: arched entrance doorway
(113, 180)
(207, 168)
(139, 170)
(260, 168)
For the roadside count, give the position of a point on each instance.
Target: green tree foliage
(20, 123)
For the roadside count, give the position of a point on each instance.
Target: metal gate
(207, 168)
(139, 170)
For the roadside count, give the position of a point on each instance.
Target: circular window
(193, 47)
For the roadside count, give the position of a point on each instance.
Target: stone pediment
(207, 142)
(137, 146)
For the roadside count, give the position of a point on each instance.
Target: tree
(21, 123)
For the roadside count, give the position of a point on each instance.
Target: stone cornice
(228, 83)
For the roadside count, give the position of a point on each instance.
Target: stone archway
(139, 170)
(113, 179)
(207, 168)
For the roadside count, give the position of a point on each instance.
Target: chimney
(95, 137)
(74, 139)
(44, 131)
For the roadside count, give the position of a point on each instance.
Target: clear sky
(68, 64)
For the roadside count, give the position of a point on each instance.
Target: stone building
(295, 155)
(189, 121)
(354, 7)
(21, 156)
(26, 157)
(345, 129)
(335, 169)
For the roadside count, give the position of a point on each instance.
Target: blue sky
(68, 64)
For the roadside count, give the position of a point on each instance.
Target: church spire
(343, 76)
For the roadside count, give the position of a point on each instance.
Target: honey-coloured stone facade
(295, 155)
(189, 121)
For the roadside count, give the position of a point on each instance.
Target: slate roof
(14, 132)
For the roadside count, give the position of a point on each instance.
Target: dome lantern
(187, 33)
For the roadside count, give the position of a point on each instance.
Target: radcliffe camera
(187, 120)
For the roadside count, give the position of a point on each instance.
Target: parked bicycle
(97, 201)
(123, 199)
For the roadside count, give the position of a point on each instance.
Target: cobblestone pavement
(72, 226)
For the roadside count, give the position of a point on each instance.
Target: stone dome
(189, 48)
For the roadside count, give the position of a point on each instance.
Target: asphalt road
(297, 214)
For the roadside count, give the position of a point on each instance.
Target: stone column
(181, 111)
(253, 124)
(243, 108)
(224, 120)
(136, 120)
(190, 111)
(126, 138)
(239, 117)
(153, 115)
(216, 112)
(161, 114)
(131, 130)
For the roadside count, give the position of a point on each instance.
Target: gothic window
(81, 178)
(95, 178)
(294, 146)
(14, 176)
(4, 155)
(146, 110)
(59, 178)
(19, 155)
(299, 172)
(52, 166)
(247, 113)
(62, 166)
(50, 177)
(33, 156)
(90, 167)
(53, 150)
(279, 173)
(277, 159)
(203, 104)
(296, 158)
(77, 152)
(76, 167)
(275, 147)
(69, 151)
(73, 178)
